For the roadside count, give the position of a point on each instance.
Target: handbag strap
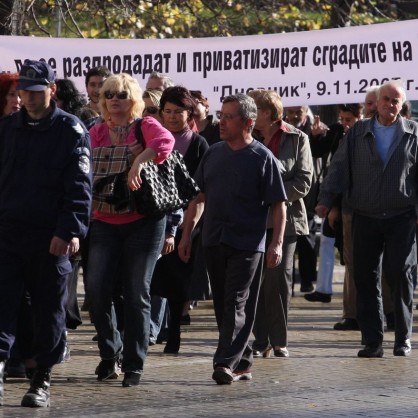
(138, 133)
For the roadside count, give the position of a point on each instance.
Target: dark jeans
(235, 280)
(25, 263)
(130, 250)
(392, 240)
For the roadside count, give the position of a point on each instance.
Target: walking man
(239, 180)
(376, 166)
(45, 194)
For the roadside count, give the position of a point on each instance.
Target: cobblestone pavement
(322, 377)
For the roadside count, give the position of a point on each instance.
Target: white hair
(397, 84)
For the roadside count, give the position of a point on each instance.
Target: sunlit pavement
(322, 377)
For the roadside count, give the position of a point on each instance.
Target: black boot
(38, 393)
(2, 364)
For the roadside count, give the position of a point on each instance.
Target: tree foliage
(188, 18)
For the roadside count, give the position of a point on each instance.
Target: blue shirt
(239, 186)
(385, 136)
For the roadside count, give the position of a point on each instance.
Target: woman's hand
(134, 176)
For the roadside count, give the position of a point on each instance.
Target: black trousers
(307, 254)
(25, 264)
(235, 277)
(393, 241)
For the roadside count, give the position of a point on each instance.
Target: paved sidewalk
(322, 377)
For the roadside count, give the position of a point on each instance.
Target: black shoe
(2, 365)
(306, 288)
(318, 297)
(172, 346)
(281, 352)
(347, 324)
(38, 394)
(223, 376)
(170, 350)
(66, 355)
(371, 351)
(131, 379)
(185, 320)
(108, 369)
(85, 307)
(402, 349)
(390, 321)
(95, 338)
(263, 353)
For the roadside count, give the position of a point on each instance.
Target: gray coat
(296, 159)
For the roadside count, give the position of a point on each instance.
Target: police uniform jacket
(45, 174)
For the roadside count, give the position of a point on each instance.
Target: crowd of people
(268, 177)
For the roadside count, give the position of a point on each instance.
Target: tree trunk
(6, 11)
(11, 17)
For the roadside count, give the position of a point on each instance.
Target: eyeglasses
(226, 116)
(152, 110)
(121, 95)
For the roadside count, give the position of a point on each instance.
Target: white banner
(319, 67)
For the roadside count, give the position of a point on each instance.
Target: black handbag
(111, 193)
(165, 187)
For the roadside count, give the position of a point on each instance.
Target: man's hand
(317, 127)
(60, 247)
(333, 216)
(74, 246)
(184, 248)
(274, 255)
(321, 211)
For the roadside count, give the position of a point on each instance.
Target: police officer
(45, 198)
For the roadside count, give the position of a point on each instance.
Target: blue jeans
(158, 315)
(130, 250)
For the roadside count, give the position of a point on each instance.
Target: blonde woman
(126, 245)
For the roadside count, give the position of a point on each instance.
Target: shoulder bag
(165, 187)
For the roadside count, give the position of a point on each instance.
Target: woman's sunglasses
(152, 110)
(121, 95)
